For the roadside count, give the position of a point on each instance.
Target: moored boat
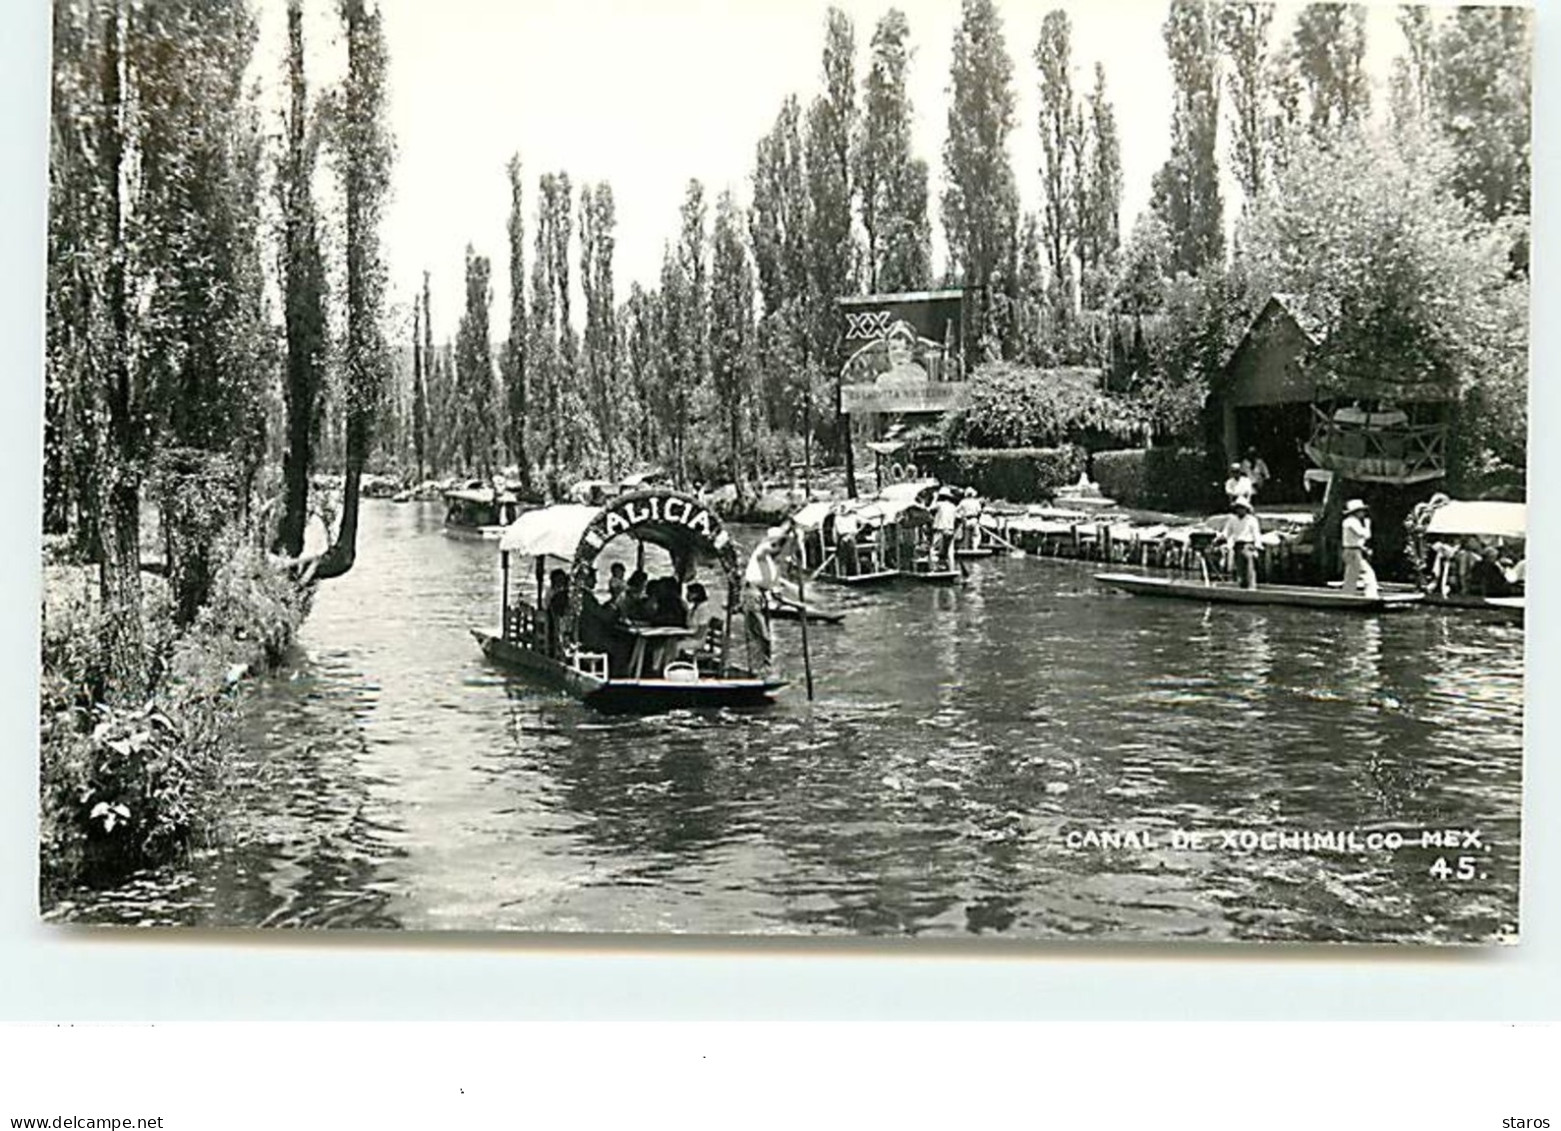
(1298, 596)
(606, 660)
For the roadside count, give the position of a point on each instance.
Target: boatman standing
(1357, 539)
(1244, 534)
(945, 518)
(968, 516)
(761, 585)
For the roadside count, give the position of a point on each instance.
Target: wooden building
(1311, 427)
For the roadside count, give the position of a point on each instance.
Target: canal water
(1029, 755)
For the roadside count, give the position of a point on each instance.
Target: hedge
(1157, 478)
(1020, 475)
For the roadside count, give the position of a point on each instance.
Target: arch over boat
(691, 533)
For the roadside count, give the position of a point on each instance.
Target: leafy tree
(980, 198)
(732, 331)
(303, 293)
(685, 321)
(364, 160)
(1330, 49)
(512, 364)
(1412, 92)
(544, 354)
(1186, 190)
(474, 370)
(597, 221)
(122, 398)
(1483, 85)
(778, 229)
(831, 243)
(674, 380)
(1407, 285)
(1061, 142)
(435, 396)
(889, 182)
(641, 346)
(419, 393)
(1243, 35)
(1100, 229)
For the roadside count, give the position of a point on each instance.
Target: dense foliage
(1014, 406)
(1021, 475)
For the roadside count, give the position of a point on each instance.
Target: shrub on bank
(131, 786)
(1171, 479)
(1020, 475)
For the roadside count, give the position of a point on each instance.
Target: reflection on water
(974, 762)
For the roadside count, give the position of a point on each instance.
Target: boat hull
(815, 616)
(1297, 596)
(630, 696)
(860, 580)
(935, 576)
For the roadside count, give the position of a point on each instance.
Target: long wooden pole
(802, 613)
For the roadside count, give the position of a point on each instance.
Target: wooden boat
(815, 616)
(479, 511)
(928, 576)
(1299, 596)
(1511, 608)
(604, 660)
(1450, 523)
(974, 553)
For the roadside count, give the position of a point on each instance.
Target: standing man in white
(1357, 550)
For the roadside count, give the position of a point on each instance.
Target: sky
(646, 95)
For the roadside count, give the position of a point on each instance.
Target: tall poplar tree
(544, 354)
(1243, 34)
(364, 160)
(599, 361)
(303, 294)
(477, 427)
(1100, 228)
(513, 361)
(980, 197)
(419, 392)
(1185, 193)
(1330, 52)
(732, 331)
(1061, 145)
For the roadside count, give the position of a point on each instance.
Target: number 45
(1465, 869)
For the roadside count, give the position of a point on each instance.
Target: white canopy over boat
(552, 532)
(812, 515)
(1490, 520)
(906, 491)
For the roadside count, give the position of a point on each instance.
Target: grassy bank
(134, 786)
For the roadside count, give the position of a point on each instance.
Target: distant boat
(480, 511)
(1298, 596)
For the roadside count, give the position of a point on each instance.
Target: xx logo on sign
(867, 324)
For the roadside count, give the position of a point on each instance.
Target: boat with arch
(607, 659)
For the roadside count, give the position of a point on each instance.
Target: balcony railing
(1377, 447)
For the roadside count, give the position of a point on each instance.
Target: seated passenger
(635, 605)
(666, 603)
(1487, 578)
(556, 603)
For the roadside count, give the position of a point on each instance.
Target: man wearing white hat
(1244, 534)
(761, 585)
(1357, 538)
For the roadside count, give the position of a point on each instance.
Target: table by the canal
(1027, 755)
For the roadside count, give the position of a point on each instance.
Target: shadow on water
(967, 755)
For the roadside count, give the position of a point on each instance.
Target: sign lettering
(923, 396)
